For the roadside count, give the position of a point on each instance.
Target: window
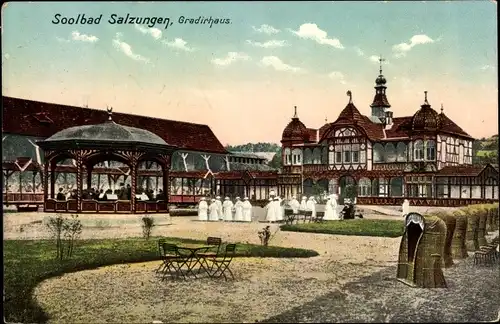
(396, 187)
(362, 156)
(418, 150)
(355, 153)
(308, 158)
(378, 153)
(331, 157)
(383, 187)
(287, 156)
(442, 187)
(338, 157)
(461, 154)
(430, 150)
(390, 152)
(332, 186)
(419, 187)
(297, 157)
(401, 152)
(347, 156)
(443, 151)
(364, 187)
(316, 156)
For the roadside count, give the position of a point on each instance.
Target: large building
(384, 159)
(201, 165)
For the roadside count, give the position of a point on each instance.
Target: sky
(243, 74)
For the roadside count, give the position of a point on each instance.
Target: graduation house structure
(383, 159)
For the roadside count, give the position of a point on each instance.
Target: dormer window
(43, 118)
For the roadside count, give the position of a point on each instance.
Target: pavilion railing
(437, 202)
(94, 206)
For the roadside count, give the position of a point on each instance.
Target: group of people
(124, 193)
(239, 211)
(275, 209)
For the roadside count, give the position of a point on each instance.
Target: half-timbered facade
(383, 159)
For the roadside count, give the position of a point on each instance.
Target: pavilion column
(79, 181)
(133, 183)
(52, 179)
(166, 184)
(45, 181)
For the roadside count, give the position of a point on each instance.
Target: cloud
(269, 44)
(127, 49)
(359, 51)
(83, 38)
(7, 56)
(266, 29)
(178, 43)
(487, 68)
(278, 65)
(400, 50)
(335, 75)
(62, 40)
(154, 32)
(230, 58)
(312, 31)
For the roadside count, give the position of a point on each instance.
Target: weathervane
(110, 112)
(442, 109)
(381, 60)
(349, 94)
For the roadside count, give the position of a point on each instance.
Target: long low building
(200, 166)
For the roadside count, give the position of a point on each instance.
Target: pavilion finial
(442, 109)
(381, 59)
(295, 112)
(110, 113)
(425, 98)
(326, 119)
(349, 94)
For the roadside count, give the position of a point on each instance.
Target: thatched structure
(420, 252)
(458, 248)
(471, 241)
(450, 222)
(481, 230)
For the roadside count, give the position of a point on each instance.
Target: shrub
(148, 223)
(65, 231)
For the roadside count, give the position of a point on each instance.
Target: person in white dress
(213, 211)
(406, 207)
(227, 207)
(303, 203)
(219, 205)
(328, 209)
(311, 206)
(294, 204)
(247, 210)
(270, 211)
(238, 210)
(278, 209)
(335, 206)
(202, 210)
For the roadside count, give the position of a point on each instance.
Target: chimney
(388, 119)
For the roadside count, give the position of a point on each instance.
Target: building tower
(380, 107)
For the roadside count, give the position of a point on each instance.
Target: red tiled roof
(295, 131)
(380, 100)
(472, 170)
(312, 134)
(447, 125)
(324, 129)
(41, 119)
(400, 127)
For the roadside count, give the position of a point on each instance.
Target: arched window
(288, 154)
(378, 153)
(332, 186)
(324, 155)
(443, 151)
(364, 187)
(418, 150)
(375, 188)
(390, 152)
(308, 159)
(430, 150)
(296, 157)
(316, 156)
(401, 152)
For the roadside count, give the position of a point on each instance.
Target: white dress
(247, 211)
(219, 209)
(328, 210)
(202, 211)
(406, 208)
(270, 212)
(238, 214)
(295, 205)
(303, 204)
(228, 210)
(278, 212)
(213, 212)
(312, 207)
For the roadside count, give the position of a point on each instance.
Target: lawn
(357, 227)
(28, 262)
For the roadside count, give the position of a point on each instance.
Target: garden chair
(289, 216)
(160, 253)
(308, 214)
(216, 241)
(172, 259)
(221, 263)
(319, 217)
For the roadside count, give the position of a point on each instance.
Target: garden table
(192, 257)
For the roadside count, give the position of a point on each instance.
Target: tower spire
(442, 109)
(110, 113)
(295, 113)
(425, 99)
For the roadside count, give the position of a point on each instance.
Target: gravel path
(473, 295)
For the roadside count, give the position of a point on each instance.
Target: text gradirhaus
(114, 19)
